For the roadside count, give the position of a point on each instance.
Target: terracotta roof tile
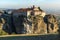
(26, 9)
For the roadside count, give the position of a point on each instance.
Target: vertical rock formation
(41, 26)
(38, 25)
(52, 25)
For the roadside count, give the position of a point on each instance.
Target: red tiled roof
(26, 9)
(23, 10)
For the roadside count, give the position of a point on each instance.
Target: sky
(15, 4)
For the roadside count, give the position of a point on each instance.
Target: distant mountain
(6, 9)
(52, 11)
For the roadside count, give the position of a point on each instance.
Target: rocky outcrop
(52, 24)
(38, 25)
(47, 24)
(35, 25)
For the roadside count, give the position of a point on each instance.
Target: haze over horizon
(44, 4)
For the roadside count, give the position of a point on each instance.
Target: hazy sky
(55, 4)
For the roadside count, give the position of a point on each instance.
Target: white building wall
(28, 13)
(36, 8)
(43, 14)
(37, 13)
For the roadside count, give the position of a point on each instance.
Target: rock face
(47, 24)
(52, 24)
(36, 24)
(2, 32)
(7, 27)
